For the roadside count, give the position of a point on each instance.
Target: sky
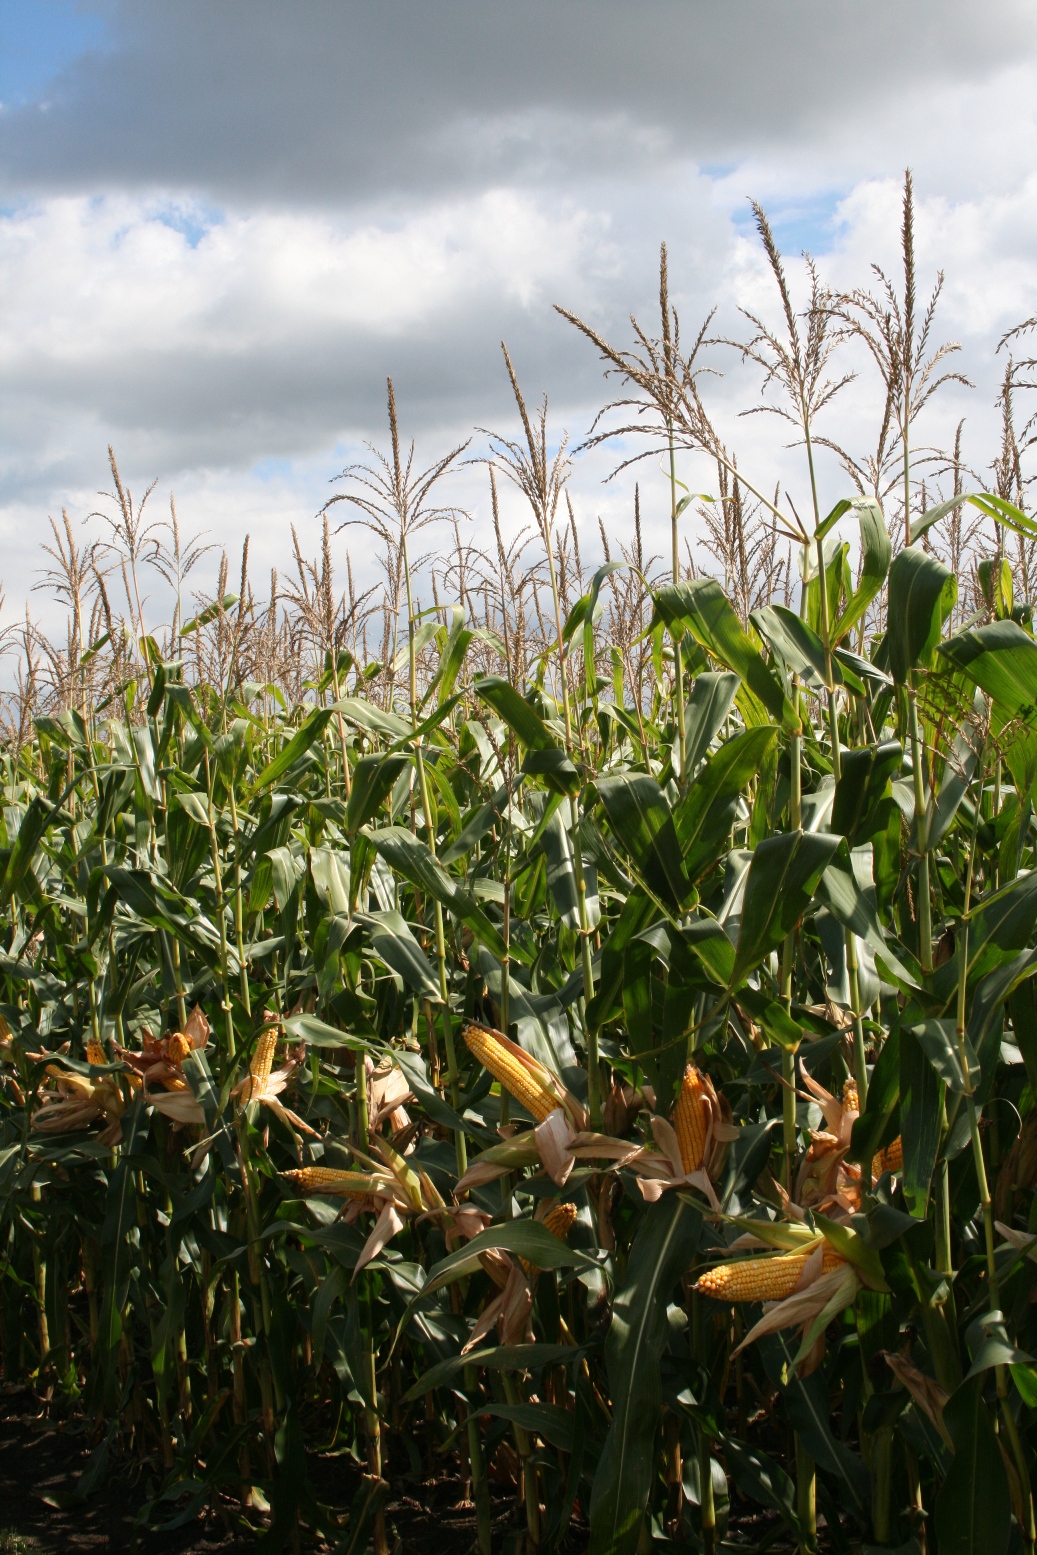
(223, 224)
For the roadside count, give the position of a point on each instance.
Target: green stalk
(593, 1077)
(372, 1419)
(925, 924)
(530, 1481)
(678, 667)
(985, 1197)
(460, 1147)
(221, 914)
(788, 957)
(806, 1498)
(707, 1506)
(480, 1483)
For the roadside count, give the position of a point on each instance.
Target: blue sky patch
(39, 39)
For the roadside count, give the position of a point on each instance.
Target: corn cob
(95, 1053)
(770, 1278)
(324, 1179)
(516, 1079)
(691, 1119)
(178, 1047)
(262, 1062)
(559, 1221)
(851, 1097)
(889, 1160)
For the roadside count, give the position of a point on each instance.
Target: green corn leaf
(707, 707)
(867, 771)
(922, 593)
(704, 817)
(372, 781)
(662, 1249)
(702, 608)
(783, 876)
(973, 1511)
(296, 747)
(642, 823)
(876, 552)
(414, 860)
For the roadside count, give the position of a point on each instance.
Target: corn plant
(584, 1051)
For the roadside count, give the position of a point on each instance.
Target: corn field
(565, 1030)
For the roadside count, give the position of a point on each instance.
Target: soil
(42, 1457)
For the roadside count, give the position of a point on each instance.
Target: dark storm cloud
(328, 102)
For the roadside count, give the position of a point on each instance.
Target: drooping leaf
(704, 816)
(662, 1249)
(296, 747)
(783, 876)
(373, 779)
(862, 786)
(707, 707)
(640, 818)
(920, 1120)
(876, 552)
(701, 607)
(922, 593)
(973, 1512)
(414, 860)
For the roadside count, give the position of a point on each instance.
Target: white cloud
(236, 346)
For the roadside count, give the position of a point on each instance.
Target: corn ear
(262, 1059)
(768, 1278)
(559, 1220)
(518, 1080)
(325, 1179)
(691, 1119)
(889, 1160)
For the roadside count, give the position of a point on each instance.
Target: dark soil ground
(41, 1459)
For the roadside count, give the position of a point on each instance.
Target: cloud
(226, 224)
(332, 103)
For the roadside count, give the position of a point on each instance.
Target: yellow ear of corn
(491, 1052)
(851, 1098)
(770, 1278)
(889, 1160)
(178, 1047)
(691, 1119)
(95, 1053)
(263, 1058)
(559, 1220)
(324, 1179)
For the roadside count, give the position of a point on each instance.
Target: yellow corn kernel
(770, 1278)
(889, 1160)
(324, 1179)
(178, 1047)
(560, 1220)
(691, 1119)
(95, 1053)
(851, 1098)
(510, 1071)
(262, 1059)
